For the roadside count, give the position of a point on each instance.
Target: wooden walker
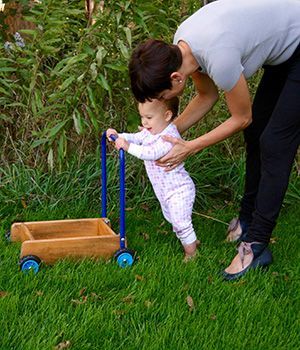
(49, 241)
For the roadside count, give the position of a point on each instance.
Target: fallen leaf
(190, 303)
(286, 278)
(210, 279)
(39, 293)
(273, 240)
(63, 345)
(145, 207)
(23, 202)
(275, 273)
(148, 303)
(82, 291)
(95, 296)
(129, 209)
(128, 299)
(145, 236)
(78, 301)
(119, 313)
(3, 294)
(139, 277)
(213, 317)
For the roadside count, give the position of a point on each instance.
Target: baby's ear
(168, 115)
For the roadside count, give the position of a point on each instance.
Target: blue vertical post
(122, 199)
(122, 187)
(103, 177)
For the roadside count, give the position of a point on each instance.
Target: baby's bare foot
(188, 257)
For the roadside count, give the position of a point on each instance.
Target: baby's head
(157, 114)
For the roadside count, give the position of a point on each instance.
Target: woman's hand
(180, 151)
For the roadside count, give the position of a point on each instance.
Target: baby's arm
(135, 138)
(130, 137)
(151, 152)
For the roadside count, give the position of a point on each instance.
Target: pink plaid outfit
(175, 189)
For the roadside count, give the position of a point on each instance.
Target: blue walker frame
(124, 256)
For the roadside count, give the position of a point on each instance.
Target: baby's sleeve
(151, 152)
(133, 138)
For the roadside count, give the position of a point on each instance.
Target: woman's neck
(189, 63)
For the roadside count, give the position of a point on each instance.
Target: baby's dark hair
(173, 105)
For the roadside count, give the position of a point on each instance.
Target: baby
(174, 189)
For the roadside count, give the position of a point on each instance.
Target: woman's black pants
(272, 141)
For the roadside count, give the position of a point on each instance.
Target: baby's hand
(110, 132)
(121, 143)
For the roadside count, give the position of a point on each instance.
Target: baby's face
(155, 116)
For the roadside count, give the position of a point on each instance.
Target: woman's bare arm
(207, 95)
(239, 105)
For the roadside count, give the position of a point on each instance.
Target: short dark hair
(150, 68)
(173, 105)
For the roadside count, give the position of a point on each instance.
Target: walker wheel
(30, 263)
(125, 257)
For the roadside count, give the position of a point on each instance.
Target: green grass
(97, 305)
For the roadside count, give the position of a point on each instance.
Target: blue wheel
(30, 263)
(125, 257)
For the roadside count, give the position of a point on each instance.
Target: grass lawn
(160, 302)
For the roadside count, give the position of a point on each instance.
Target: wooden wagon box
(57, 239)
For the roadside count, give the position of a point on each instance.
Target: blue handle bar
(113, 137)
(122, 186)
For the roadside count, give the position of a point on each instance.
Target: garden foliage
(70, 80)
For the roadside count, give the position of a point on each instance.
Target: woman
(219, 47)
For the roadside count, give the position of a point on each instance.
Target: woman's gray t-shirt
(230, 37)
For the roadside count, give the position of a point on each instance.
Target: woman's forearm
(194, 112)
(228, 128)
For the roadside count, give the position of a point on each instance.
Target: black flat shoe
(262, 257)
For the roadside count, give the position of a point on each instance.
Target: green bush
(70, 81)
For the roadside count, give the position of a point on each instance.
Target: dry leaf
(39, 293)
(79, 302)
(95, 296)
(82, 291)
(145, 236)
(3, 294)
(119, 313)
(148, 303)
(63, 345)
(24, 205)
(273, 240)
(190, 303)
(139, 277)
(145, 207)
(213, 317)
(128, 299)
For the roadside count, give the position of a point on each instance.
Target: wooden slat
(20, 232)
(50, 250)
(64, 228)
